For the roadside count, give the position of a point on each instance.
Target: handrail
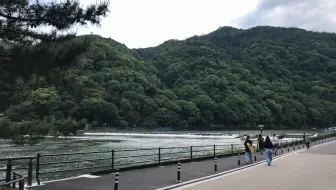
(18, 158)
(15, 180)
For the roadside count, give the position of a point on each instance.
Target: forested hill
(230, 78)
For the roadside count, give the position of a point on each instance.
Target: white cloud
(316, 15)
(144, 23)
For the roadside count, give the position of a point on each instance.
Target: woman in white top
(275, 142)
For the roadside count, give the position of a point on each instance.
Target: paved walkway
(307, 170)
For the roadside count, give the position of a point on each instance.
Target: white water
(169, 135)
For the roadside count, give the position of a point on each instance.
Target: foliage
(228, 79)
(20, 18)
(280, 77)
(27, 57)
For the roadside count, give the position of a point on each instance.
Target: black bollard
(255, 157)
(215, 165)
(116, 179)
(30, 172)
(9, 170)
(281, 151)
(238, 160)
(21, 185)
(178, 173)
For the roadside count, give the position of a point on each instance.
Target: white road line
(194, 182)
(64, 179)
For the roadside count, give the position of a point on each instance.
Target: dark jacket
(268, 145)
(246, 147)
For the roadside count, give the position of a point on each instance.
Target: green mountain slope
(230, 78)
(280, 76)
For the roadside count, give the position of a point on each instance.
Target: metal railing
(55, 166)
(17, 178)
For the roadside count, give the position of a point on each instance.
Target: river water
(106, 141)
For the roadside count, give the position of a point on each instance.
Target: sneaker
(269, 164)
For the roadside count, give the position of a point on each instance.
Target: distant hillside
(230, 78)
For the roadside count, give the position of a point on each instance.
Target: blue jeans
(268, 155)
(248, 157)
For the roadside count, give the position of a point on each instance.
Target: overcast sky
(145, 23)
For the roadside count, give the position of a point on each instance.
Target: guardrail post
(21, 185)
(30, 172)
(232, 149)
(178, 173)
(116, 179)
(38, 156)
(214, 150)
(191, 153)
(9, 170)
(215, 165)
(159, 156)
(112, 160)
(238, 156)
(14, 178)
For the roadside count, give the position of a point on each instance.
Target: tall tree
(25, 49)
(20, 19)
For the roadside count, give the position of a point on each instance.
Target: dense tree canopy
(26, 53)
(228, 79)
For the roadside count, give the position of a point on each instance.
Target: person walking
(268, 146)
(308, 141)
(260, 143)
(275, 142)
(248, 155)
